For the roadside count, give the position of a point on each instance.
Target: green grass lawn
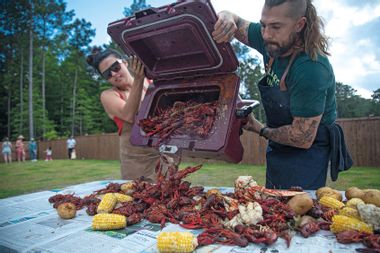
(21, 178)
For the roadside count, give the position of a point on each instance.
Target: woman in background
(7, 150)
(20, 148)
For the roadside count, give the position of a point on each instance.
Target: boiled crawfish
(190, 118)
(266, 236)
(63, 198)
(158, 213)
(276, 214)
(372, 241)
(222, 236)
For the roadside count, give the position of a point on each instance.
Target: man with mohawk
(297, 92)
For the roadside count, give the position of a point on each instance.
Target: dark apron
(290, 166)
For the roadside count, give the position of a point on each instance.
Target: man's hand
(253, 124)
(225, 27)
(230, 25)
(137, 68)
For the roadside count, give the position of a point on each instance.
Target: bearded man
(297, 92)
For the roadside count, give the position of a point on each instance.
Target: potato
(372, 197)
(305, 220)
(67, 210)
(336, 195)
(354, 202)
(366, 190)
(322, 191)
(301, 204)
(354, 192)
(327, 191)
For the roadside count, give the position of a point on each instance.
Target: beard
(275, 49)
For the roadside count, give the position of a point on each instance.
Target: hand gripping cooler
(174, 43)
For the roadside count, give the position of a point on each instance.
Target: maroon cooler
(174, 43)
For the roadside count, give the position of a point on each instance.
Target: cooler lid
(175, 41)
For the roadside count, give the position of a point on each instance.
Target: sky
(352, 26)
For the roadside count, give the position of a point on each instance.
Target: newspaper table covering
(29, 223)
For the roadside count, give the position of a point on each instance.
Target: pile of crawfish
(249, 215)
(182, 118)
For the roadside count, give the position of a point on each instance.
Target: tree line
(48, 91)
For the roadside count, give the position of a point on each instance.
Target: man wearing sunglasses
(121, 102)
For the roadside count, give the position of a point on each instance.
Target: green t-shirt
(311, 84)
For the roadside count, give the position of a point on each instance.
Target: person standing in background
(71, 143)
(7, 150)
(33, 150)
(49, 153)
(20, 148)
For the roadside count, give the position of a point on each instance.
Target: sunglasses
(115, 67)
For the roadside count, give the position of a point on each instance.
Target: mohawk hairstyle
(312, 36)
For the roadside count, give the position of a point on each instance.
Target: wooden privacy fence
(362, 137)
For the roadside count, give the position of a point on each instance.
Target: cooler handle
(247, 109)
(146, 12)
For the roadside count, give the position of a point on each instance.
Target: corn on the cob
(349, 212)
(179, 242)
(123, 197)
(354, 202)
(128, 188)
(342, 223)
(107, 204)
(108, 221)
(331, 202)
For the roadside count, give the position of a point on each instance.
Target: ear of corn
(350, 212)
(123, 197)
(179, 242)
(128, 188)
(331, 202)
(108, 221)
(107, 204)
(342, 223)
(354, 202)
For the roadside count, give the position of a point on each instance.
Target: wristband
(262, 132)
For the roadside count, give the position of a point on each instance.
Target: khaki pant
(142, 161)
(136, 161)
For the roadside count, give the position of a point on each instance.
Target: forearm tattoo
(300, 134)
(242, 30)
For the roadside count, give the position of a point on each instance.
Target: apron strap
(297, 49)
(282, 82)
(269, 66)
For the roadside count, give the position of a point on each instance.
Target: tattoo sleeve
(242, 30)
(301, 133)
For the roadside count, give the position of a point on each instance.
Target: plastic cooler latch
(146, 12)
(244, 111)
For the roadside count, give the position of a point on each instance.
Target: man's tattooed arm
(241, 33)
(301, 133)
